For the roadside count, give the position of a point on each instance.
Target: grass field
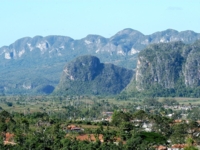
(54, 104)
(184, 100)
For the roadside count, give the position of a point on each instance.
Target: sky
(78, 18)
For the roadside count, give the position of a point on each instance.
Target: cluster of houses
(173, 147)
(73, 128)
(179, 107)
(93, 138)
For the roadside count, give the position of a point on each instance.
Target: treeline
(159, 91)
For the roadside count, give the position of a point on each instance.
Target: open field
(52, 104)
(123, 102)
(30, 104)
(183, 100)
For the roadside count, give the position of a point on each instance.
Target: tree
(118, 117)
(99, 131)
(25, 124)
(145, 140)
(170, 102)
(126, 128)
(194, 114)
(179, 133)
(151, 102)
(190, 145)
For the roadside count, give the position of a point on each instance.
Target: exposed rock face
(84, 68)
(192, 65)
(86, 75)
(167, 64)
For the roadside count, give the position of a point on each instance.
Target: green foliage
(194, 114)
(190, 146)
(123, 96)
(145, 140)
(126, 128)
(9, 104)
(170, 102)
(47, 130)
(151, 102)
(86, 75)
(179, 133)
(119, 117)
(168, 69)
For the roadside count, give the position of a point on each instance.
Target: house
(177, 121)
(69, 127)
(147, 126)
(9, 139)
(74, 128)
(170, 115)
(177, 147)
(173, 147)
(107, 113)
(109, 119)
(161, 147)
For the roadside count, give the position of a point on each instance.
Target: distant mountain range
(34, 65)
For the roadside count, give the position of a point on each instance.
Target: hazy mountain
(31, 64)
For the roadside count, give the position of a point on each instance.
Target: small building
(9, 139)
(177, 147)
(74, 128)
(161, 147)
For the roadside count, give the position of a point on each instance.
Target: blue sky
(78, 18)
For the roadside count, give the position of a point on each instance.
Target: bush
(9, 104)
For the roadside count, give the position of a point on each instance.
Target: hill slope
(86, 75)
(169, 69)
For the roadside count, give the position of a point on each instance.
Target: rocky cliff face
(191, 69)
(86, 75)
(169, 64)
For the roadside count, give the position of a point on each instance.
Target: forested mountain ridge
(86, 75)
(169, 69)
(34, 65)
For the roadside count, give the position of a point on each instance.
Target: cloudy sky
(78, 18)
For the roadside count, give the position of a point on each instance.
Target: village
(167, 122)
